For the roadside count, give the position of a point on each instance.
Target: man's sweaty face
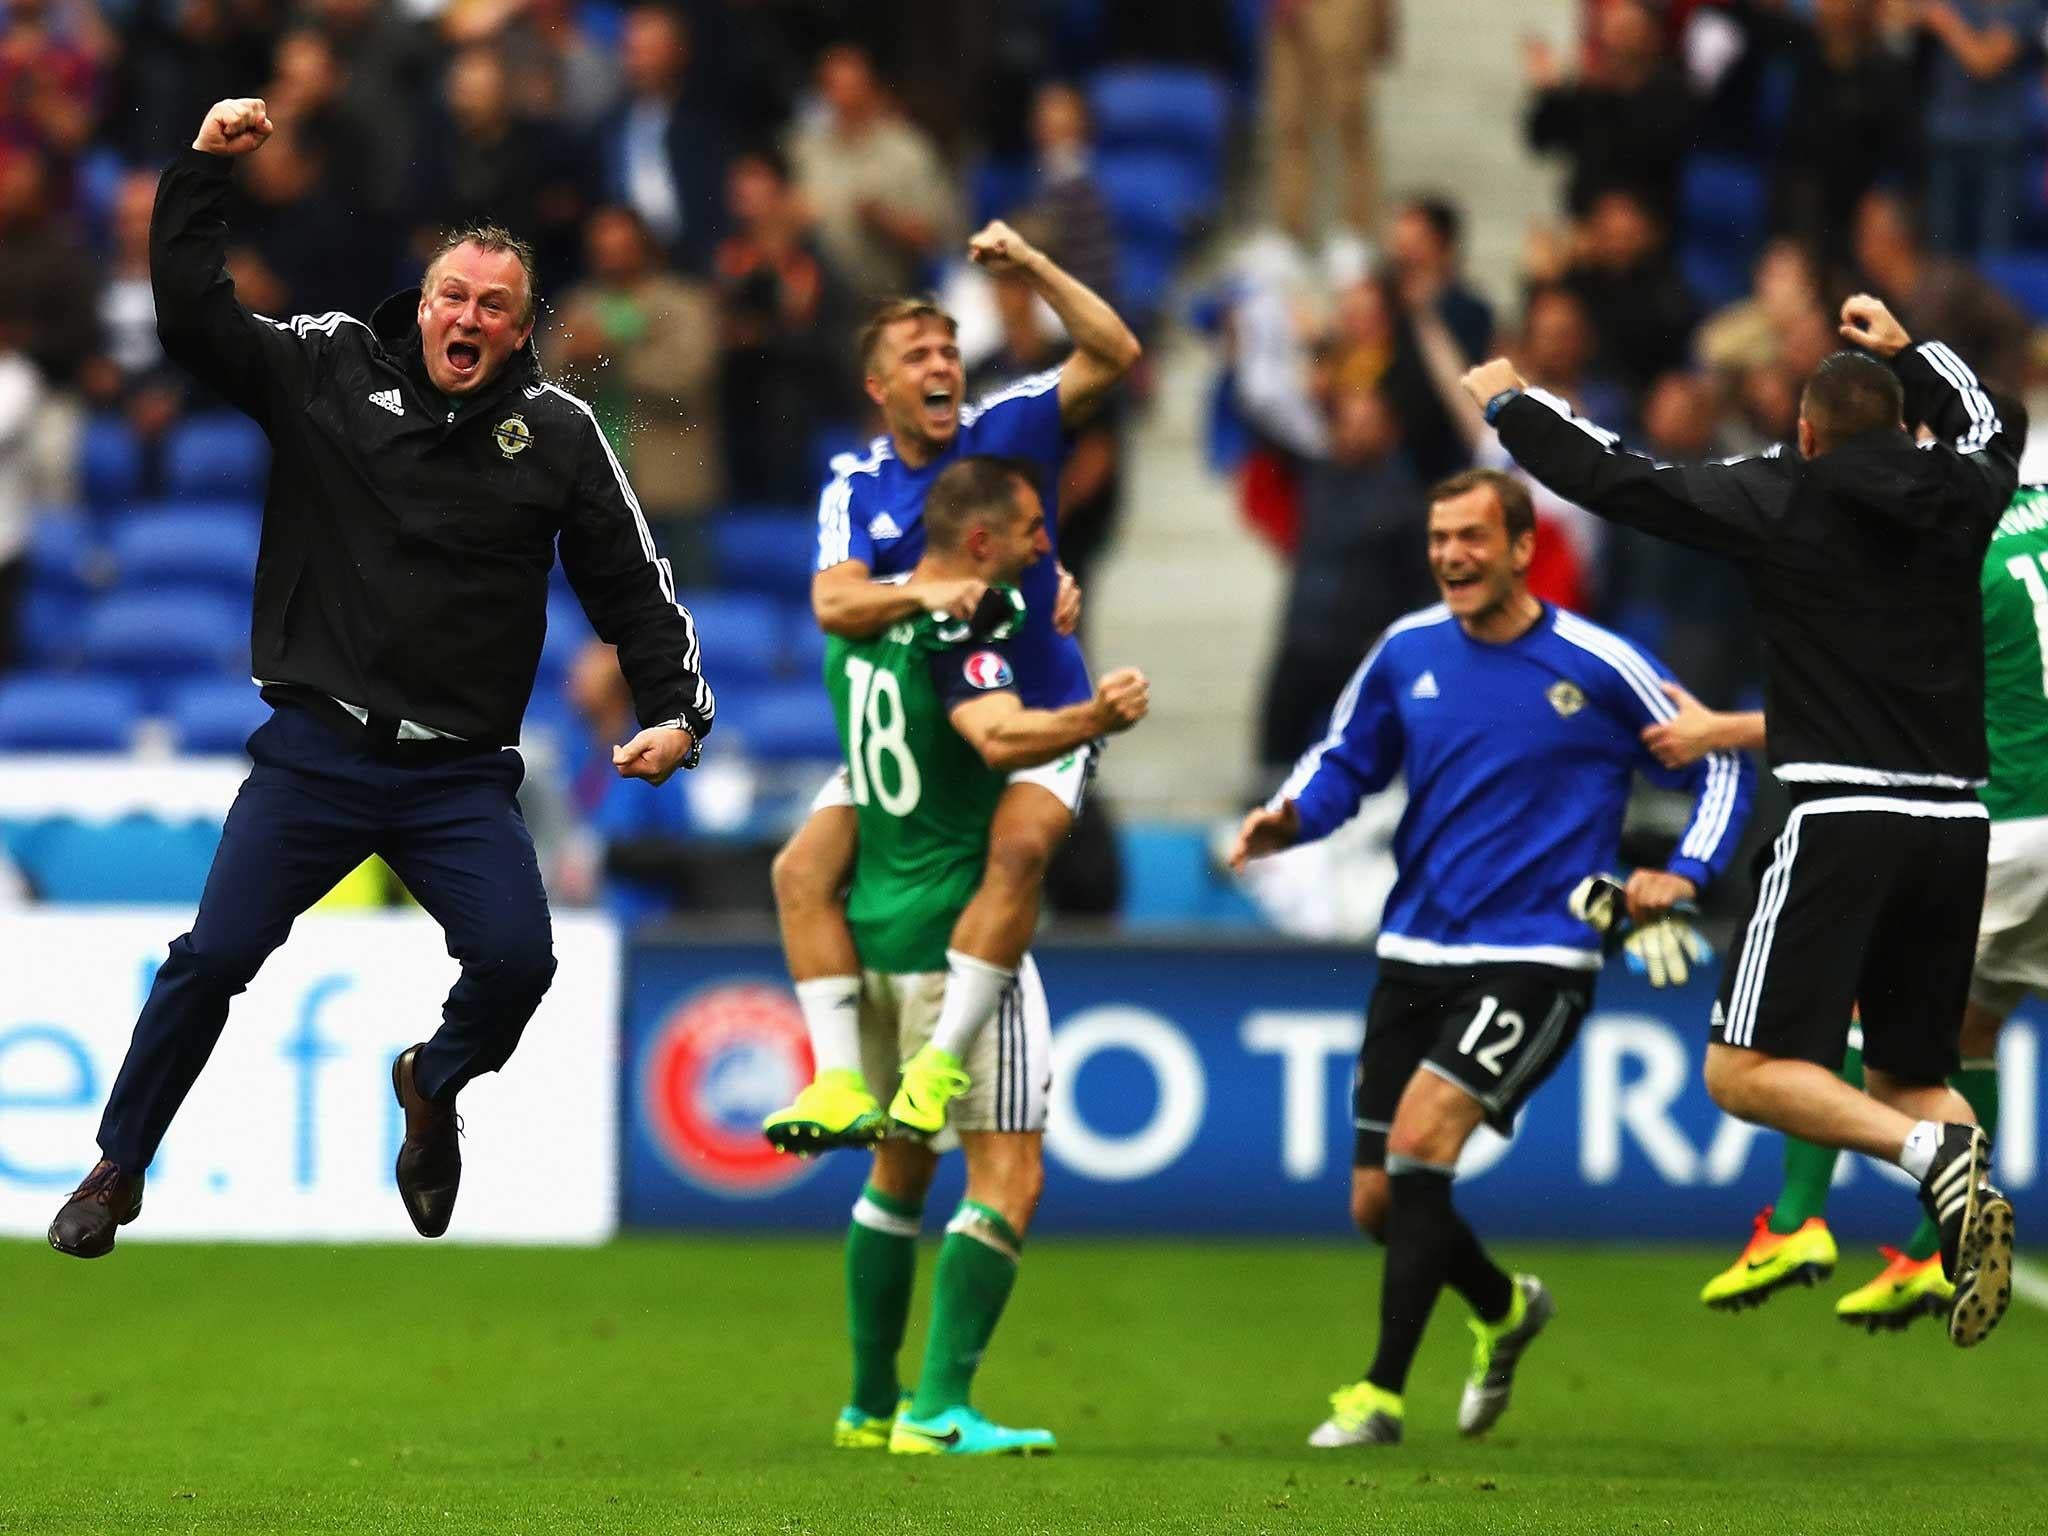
(472, 317)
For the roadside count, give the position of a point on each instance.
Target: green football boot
(963, 1432)
(835, 1110)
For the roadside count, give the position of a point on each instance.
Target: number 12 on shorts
(1511, 1026)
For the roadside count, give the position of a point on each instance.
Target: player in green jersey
(1791, 1244)
(931, 728)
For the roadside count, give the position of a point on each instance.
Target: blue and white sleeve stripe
(1721, 807)
(835, 526)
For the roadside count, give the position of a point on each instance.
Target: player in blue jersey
(1517, 727)
(870, 530)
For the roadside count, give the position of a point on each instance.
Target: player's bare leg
(977, 1269)
(1810, 1102)
(881, 1272)
(810, 875)
(1928, 1129)
(987, 945)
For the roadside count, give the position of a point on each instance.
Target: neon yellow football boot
(1497, 1350)
(932, 1079)
(854, 1430)
(834, 1110)
(1360, 1414)
(1903, 1290)
(1770, 1262)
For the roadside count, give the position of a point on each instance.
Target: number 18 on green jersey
(923, 796)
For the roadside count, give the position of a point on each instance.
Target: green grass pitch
(688, 1384)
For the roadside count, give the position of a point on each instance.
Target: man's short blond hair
(493, 239)
(893, 313)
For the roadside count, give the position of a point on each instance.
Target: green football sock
(977, 1268)
(881, 1267)
(1977, 1082)
(1809, 1170)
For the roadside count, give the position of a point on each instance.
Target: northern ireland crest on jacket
(512, 435)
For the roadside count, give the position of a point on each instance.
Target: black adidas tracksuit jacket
(1864, 563)
(405, 552)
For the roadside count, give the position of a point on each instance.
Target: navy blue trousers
(317, 804)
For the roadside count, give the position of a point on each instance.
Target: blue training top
(1518, 759)
(872, 511)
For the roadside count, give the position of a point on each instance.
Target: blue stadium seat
(167, 633)
(219, 454)
(999, 186)
(177, 548)
(569, 632)
(2023, 276)
(50, 712)
(803, 643)
(215, 714)
(741, 634)
(1186, 110)
(1152, 195)
(49, 630)
(1723, 201)
(1145, 275)
(1714, 276)
(764, 552)
(64, 553)
(109, 461)
(247, 508)
(782, 722)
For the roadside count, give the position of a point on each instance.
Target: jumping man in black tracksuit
(1864, 552)
(423, 476)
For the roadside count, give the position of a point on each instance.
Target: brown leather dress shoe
(108, 1199)
(430, 1159)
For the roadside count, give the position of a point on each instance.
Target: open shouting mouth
(464, 358)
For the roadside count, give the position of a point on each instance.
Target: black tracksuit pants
(318, 803)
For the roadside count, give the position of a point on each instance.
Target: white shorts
(1065, 778)
(1010, 1061)
(2012, 939)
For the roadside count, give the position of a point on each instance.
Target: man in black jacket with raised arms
(423, 475)
(1864, 553)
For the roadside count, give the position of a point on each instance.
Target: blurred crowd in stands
(1731, 172)
(718, 188)
(717, 191)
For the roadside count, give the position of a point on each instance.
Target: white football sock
(974, 990)
(1922, 1142)
(831, 1006)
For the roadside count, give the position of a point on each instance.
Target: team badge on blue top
(1565, 698)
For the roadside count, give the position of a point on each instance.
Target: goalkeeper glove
(1665, 948)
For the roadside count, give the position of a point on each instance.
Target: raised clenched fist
(235, 127)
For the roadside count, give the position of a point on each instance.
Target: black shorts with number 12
(1497, 1031)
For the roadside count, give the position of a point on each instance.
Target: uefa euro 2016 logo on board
(725, 1058)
